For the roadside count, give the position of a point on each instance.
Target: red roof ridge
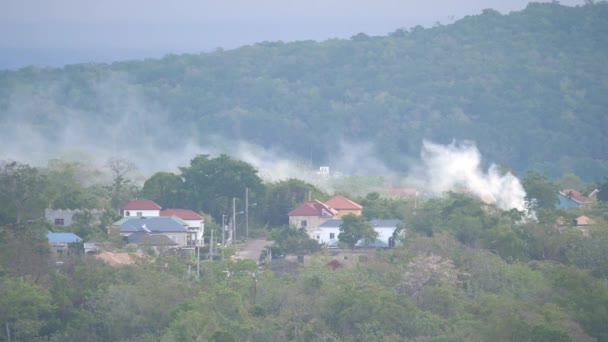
(575, 195)
(341, 202)
(141, 204)
(184, 214)
(313, 208)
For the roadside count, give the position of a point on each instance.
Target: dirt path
(252, 249)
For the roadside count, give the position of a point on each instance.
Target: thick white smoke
(457, 167)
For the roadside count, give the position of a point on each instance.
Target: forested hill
(529, 87)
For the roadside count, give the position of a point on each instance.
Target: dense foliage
(463, 270)
(529, 87)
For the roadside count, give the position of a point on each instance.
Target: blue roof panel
(62, 237)
(152, 224)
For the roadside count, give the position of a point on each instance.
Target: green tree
(283, 196)
(355, 228)
(602, 194)
(19, 185)
(25, 310)
(211, 184)
(123, 188)
(65, 186)
(541, 193)
(293, 241)
(164, 188)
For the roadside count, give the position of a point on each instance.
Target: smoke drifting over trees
(458, 166)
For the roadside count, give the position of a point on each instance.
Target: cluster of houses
(144, 223)
(322, 221)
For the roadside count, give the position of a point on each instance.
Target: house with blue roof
(329, 230)
(61, 241)
(172, 227)
(570, 198)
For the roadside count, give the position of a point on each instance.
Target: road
(252, 249)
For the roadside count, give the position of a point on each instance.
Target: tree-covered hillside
(529, 87)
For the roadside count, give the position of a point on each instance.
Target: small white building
(141, 208)
(329, 230)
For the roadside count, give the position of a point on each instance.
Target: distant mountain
(530, 88)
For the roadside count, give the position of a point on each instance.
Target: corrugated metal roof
(63, 237)
(151, 224)
(147, 239)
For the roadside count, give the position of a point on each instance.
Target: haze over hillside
(60, 32)
(529, 88)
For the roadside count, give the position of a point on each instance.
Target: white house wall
(384, 234)
(325, 234)
(199, 226)
(143, 213)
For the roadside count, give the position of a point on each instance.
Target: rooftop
(151, 224)
(313, 208)
(184, 214)
(62, 237)
(343, 203)
(141, 204)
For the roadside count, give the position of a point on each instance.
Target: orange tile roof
(584, 221)
(343, 203)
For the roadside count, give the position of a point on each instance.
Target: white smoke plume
(457, 167)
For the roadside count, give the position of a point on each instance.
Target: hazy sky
(56, 32)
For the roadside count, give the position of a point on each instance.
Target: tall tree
(164, 188)
(123, 188)
(211, 184)
(541, 193)
(283, 196)
(19, 183)
(355, 228)
(602, 194)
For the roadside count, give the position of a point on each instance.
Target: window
(59, 222)
(303, 223)
(332, 236)
(139, 213)
(127, 213)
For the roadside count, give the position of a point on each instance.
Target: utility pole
(223, 230)
(233, 220)
(198, 260)
(246, 213)
(211, 246)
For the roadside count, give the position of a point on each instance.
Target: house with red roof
(310, 215)
(344, 206)
(570, 198)
(195, 222)
(140, 207)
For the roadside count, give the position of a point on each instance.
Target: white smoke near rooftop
(457, 167)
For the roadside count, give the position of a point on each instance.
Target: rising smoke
(457, 167)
